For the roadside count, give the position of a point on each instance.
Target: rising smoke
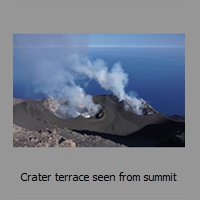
(56, 74)
(73, 100)
(114, 80)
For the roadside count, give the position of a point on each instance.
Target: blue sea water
(156, 74)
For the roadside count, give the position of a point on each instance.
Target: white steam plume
(54, 71)
(59, 82)
(114, 80)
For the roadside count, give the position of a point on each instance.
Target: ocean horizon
(155, 74)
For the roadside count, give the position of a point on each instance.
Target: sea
(156, 74)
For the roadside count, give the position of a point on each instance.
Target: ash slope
(115, 122)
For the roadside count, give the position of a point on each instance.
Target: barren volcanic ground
(113, 126)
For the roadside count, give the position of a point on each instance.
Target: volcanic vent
(64, 110)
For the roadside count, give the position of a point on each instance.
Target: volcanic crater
(113, 125)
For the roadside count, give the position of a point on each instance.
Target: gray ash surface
(112, 127)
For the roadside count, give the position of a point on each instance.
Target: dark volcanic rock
(112, 124)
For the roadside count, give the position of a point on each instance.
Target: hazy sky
(145, 40)
(40, 69)
(101, 40)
